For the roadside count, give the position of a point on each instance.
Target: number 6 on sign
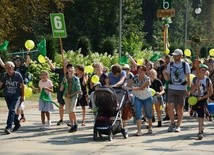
(58, 25)
(166, 4)
(57, 22)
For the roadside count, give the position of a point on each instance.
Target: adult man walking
(178, 76)
(13, 85)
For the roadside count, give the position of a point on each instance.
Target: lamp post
(120, 28)
(197, 10)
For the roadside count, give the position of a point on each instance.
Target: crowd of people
(169, 78)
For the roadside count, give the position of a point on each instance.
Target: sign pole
(63, 58)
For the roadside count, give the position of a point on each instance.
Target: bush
(109, 45)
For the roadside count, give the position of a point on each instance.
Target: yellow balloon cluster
(211, 52)
(187, 53)
(95, 79)
(89, 69)
(27, 92)
(29, 44)
(41, 59)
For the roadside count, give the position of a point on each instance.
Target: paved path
(30, 139)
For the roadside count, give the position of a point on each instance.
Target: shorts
(158, 99)
(70, 104)
(146, 104)
(176, 96)
(60, 99)
(200, 108)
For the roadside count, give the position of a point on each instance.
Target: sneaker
(159, 124)
(49, 123)
(75, 127)
(166, 118)
(150, 131)
(60, 122)
(16, 127)
(42, 126)
(200, 136)
(7, 131)
(71, 129)
(171, 127)
(138, 133)
(177, 129)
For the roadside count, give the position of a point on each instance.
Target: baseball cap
(203, 66)
(177, 52)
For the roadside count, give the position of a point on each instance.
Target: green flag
(42, 47)
(124, 60)
(3, 47)
(44, 96)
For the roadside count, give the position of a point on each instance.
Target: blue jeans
(146, 104)
(12, 116)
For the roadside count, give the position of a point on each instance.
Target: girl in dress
(45, 86)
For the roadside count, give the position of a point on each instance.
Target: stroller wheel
(110, 136)
(95, 134)
(125, 133)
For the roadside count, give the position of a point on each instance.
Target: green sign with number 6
(166, 4)
(58, 25)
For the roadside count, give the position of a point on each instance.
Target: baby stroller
(108, 119)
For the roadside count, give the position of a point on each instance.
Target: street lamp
(197, 9)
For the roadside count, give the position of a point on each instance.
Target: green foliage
(109, 45)
(132, 43)
(85, 45)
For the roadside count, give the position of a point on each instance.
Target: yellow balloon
(187, 53)
(28, 92)
(191, 77)
(41, 59)
(167, 51)
(140, 62)
(29, 44)
(192, 100)
(153, 92)
(95, 79)
(211, 52)
(89, 69)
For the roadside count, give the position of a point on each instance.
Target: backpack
(207, 81)
(177, 77)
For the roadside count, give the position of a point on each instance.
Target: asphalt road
(30, 139)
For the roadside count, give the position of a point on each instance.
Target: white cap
(126, 66)
(177, 52)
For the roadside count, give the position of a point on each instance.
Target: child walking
(201, 88)
(83, 98)
(72, 87)
(45, 86)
